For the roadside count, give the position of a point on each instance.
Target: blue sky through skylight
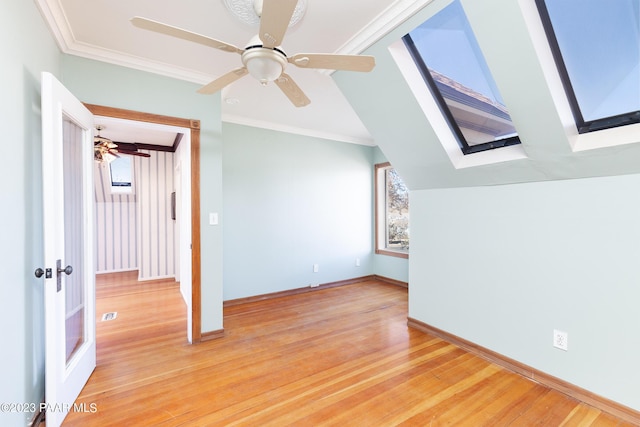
(121, 172)
(600, 45)
(449, 47)
(449, 57)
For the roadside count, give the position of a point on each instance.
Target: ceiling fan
(263, 58)
(105, 149)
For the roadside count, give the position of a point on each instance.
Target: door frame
(196, 259)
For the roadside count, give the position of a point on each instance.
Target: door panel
(67, 168)
(73, 237)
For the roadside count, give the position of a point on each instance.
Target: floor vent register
(109, 316)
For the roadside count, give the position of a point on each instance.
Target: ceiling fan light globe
(108, 157)
(265, 65)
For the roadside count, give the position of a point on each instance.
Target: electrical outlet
(357, 262)
(560, 340)
(316, 268)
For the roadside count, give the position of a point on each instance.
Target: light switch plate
(213, 218)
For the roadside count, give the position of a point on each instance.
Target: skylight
(446, 51)
(596, 46)
(121, 175)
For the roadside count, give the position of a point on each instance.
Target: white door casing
(68, 225)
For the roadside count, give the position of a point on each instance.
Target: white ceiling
(101, 30)
(121, 130)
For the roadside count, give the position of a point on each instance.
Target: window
(596, 48)
(392, 212)
(121, 172)
(446, 52)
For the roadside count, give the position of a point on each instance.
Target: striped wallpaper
(74, 221)
(156, 229)
(136, 232)
(116, 226)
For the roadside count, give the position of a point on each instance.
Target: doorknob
(67, 270)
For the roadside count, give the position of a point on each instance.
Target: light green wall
(504, 266)
(291, 202)
(26, 49)
(110, 85)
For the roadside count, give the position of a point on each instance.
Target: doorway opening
(185, 203)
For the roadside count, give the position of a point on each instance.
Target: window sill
(397, 254)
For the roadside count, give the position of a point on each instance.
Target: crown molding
(53, 14)
(383, 24)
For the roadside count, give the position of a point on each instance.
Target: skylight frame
(441, 100)
(122, 187)
(583, 126)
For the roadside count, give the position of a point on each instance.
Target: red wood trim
(392, 253)
(378, 225)
(196, 254)
(212, 335)
(246, 300)
(571, 390)
(376, 203)
(391, 281)
(194, 125)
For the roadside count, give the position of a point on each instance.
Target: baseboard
(391, 281)
(151, 279)
(238, 301)
(126, 270)
(211, 335)
(621, 411)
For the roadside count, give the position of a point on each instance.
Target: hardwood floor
(342, 356)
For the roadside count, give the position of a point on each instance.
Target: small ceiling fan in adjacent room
(263, 58)
(105, 150)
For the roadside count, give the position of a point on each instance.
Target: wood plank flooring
(337, 357)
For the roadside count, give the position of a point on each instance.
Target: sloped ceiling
(508, 34)
(376, 108)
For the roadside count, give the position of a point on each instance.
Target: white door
(69, 287)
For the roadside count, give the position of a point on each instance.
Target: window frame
(444, 108)
(582, 126)
(122, 189)
(380, 221)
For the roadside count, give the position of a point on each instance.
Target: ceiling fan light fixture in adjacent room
(249, 11)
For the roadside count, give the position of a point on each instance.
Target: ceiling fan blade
(334, 62)
(274, 21)
(221, 82)
(291, 89)
(134, 153)
(159, 27)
